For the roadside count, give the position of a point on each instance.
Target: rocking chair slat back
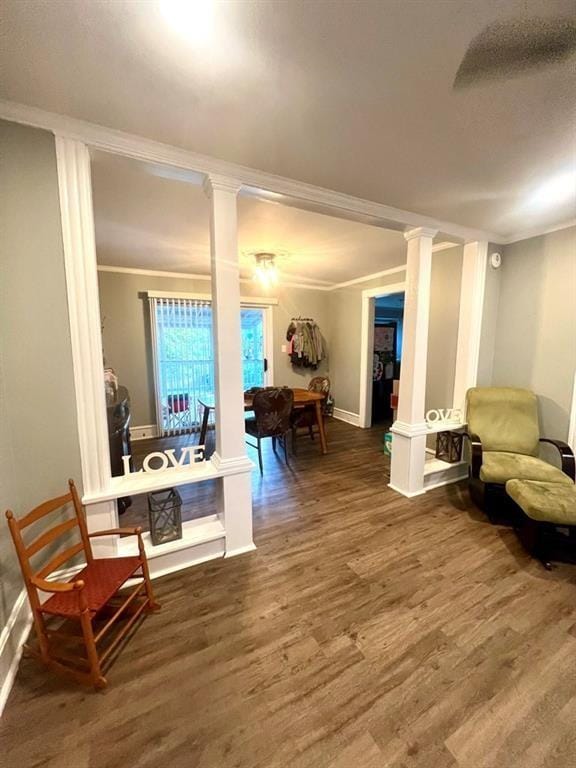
(60, 559)
(50, 535)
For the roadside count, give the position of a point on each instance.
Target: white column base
(235, 513)
(407, 464)
(103, 517)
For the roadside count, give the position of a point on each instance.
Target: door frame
(367, 345)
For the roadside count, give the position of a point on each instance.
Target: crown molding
(189, 276)
(444, 246)
(151, 272)
(366, 278)
(537, 232)
(335, 203)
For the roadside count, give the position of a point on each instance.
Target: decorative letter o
(155, 455)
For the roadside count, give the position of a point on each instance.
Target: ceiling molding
(373, 276)
(189, 276)
(444, 246)
(538, 232)
(129, 145)
(151, 272)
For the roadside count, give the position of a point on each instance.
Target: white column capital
(410, 234)
(214, 182)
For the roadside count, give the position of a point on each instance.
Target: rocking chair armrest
(566, 455)
(118, 532)
(56, 586)
(476, 457)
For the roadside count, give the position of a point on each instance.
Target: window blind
(183, 361)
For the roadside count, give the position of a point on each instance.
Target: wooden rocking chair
(87, 606)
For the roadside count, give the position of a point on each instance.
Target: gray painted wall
(346, 309)
(346, 330)
(39, 448)
(489, 321)
(126, 337)
(535, 344)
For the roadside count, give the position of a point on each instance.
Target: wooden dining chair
(79, 613)
(272, 407)
(305, 418)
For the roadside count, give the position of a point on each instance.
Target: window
(184, 358)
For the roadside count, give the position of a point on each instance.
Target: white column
(409, 429)
(74, 183)
(230, 459)
(470, 320)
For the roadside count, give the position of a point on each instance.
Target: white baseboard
(407, 494)
(144, 432)
(347, 416)
(12, 641)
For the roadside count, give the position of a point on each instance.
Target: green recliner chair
(504, 436)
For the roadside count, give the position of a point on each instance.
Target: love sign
(443, 414)
(160, 461)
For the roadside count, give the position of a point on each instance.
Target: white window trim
(247, 301)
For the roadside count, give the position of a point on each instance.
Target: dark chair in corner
(504, 435)
(272, 408)
(79, 612)
(305, 418)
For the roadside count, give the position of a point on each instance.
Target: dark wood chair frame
(492, 497)
(281, 437)
(89, 669)
(305, 418)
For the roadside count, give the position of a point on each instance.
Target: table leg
(320, 422)
(204, 427)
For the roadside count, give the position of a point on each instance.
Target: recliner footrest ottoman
(549, 516)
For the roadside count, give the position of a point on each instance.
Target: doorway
(387, 356)
(381, 353)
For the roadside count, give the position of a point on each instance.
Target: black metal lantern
(449, 446)
(165, 515)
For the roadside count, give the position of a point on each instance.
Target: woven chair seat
(102, 579)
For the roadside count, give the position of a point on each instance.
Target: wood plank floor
(367, 631)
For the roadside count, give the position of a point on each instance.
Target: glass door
(184, 359)
(254, 361)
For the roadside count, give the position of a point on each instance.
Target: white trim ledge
(347, 416)
(407, 494)
(12, 641)
(240, 550)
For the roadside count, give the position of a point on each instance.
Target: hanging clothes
(305, 344)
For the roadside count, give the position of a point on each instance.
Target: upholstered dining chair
(504, 434)
(305, 418)
(272, 407)
(74, 624)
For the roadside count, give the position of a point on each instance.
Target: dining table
(303, 398)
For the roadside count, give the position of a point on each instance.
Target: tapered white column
(79, 243)
(409, 429)
(230, 459)
(472, 287)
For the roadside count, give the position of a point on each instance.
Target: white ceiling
(148, 217)
(351, 96)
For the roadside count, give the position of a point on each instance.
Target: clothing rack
(301, 319)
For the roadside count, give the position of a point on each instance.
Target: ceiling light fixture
(193, 19)
(557, 190)
(266, 271)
